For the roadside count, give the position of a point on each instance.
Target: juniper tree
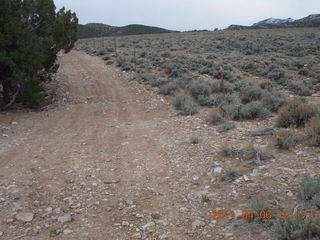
(31, 35)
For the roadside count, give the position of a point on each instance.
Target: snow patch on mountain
(273, 21)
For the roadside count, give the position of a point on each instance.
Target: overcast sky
(185, 15)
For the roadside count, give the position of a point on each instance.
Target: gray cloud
(187, 14)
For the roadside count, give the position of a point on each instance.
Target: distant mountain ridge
(273, 21)
(312, 20)
(93, 30)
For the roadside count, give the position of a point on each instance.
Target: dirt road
(98, 158)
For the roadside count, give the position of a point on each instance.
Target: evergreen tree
(31, 35)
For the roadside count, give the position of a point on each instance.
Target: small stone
(1, 234)
(57, 210)
(97, 203)
(139, 215)
(129, 202)
(149, 226)
(228, 234)
(125, 223)
(10, 220)
(292, 172)
(196, 224)
(163, 236)
(24, 217)
(217, 170)
(136, 236)
(48, 210)
(290, 194)
(67, 231)
(65, 218)
(254, 173)
(94, 184)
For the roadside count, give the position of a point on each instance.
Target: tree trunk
(6, 91)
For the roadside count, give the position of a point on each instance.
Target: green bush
(32, 94)
(267, 85)
(206, 101)
(228, 87)
(310, 188)
(186, 105)
(126, 66)
(249, 94)
(273, 100)
(200, 88)
(296, 113)
(301, 89)
(254, 110)
(297, 229)
(249, 111)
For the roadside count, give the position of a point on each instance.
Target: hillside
(309, 21)
(92, 30)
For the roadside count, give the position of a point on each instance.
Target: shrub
(297, 229)
(101, 52)
(250, 94)
(278, 75)
(309, 188)
(186, 105)
(296, 113)
(267, 85)
(254, 110)
(205, 198)
(168, 90)
(206, 101)
(228, 87)
(126, 66)
(194, 140)
(231, 175)
(225, 149)
(32, 94)
(286, 139)
(273, 100)
(110, 50)
(258, 206)
(257, 153)
(158, 82)
(215, 117)
(109, 62)
(301, 89)
(313, 130)
(200, 88)
(227, 126)
(120, 61)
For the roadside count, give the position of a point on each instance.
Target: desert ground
(111, 158)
